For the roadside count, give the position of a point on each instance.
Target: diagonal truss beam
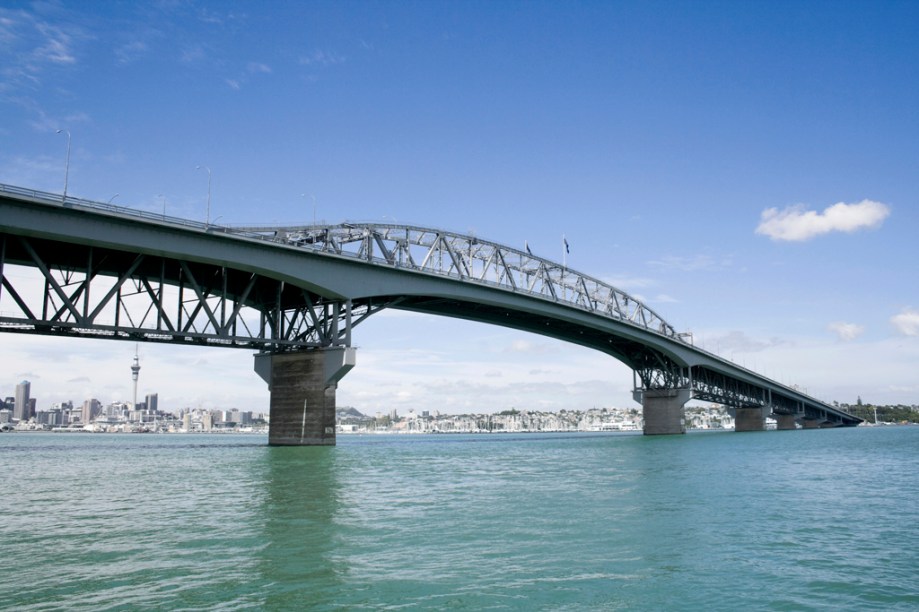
(144, 297)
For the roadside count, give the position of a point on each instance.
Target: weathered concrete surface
(749, 419)
(303, 385)
(784, 421)
(662, 410)
(812, 423)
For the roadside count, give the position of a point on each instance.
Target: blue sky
(748, 169)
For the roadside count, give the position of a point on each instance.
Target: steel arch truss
(468, 259)
(117, 294)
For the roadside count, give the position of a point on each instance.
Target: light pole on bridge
(303, 195)
(67, 163)
(207, 219)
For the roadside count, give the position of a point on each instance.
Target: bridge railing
(73, 202)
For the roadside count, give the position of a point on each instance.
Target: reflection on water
(298, 562)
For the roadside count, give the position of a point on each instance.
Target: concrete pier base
(662, 410)
(303, 385)
(785, 421)
(812, 423)
(750, 419)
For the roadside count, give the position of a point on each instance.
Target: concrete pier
(662, 410)
(785, 421)
(812, 423)
(750, 419)
(303, 385)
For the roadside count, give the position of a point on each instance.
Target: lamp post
(113, 197)
(208, 217)
(303, 195)
(67, 164)
(164, 206)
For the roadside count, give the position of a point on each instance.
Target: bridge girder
(105, 293)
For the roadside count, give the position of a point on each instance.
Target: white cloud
(525, 346)
(846, 331)
(628, 284)
(795, 223)
(907, 322)
(256, 67)
(321, 58)
(738, 342)
(691, 264)
(128, 53)
(57, 47)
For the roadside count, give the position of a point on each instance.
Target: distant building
(152, 402)
(91, 409)
(51, 418)
(22, 409)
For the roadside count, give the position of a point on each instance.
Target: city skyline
(747, 171)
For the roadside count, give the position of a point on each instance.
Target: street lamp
(113, 197)
(303, 195)
(67, 165)
(208, 217)
(164, 206)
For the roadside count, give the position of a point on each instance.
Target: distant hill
(348, 411)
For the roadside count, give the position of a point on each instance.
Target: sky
(748, 169)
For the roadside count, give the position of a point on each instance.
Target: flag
(527, 245)
(565, 240)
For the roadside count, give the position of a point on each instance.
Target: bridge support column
(812, 423)
(662, 411)
(302, 386)
(785, 421)
(750, 419)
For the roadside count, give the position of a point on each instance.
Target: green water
(779, 520)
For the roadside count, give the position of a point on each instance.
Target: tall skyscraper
(135, 371)
(23, 408)
(152, 400)
(91, 409)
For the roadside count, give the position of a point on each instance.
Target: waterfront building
(51, 418)
(91, 409)
(22, 408)
(152, 402)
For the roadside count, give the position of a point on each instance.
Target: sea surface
(777, 520)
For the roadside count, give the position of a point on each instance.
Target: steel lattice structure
(104, 293)
(468, 259)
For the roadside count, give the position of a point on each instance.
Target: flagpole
(564, 252)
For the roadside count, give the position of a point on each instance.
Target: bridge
(295, 294)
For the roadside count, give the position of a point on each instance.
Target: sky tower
(135, 371)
